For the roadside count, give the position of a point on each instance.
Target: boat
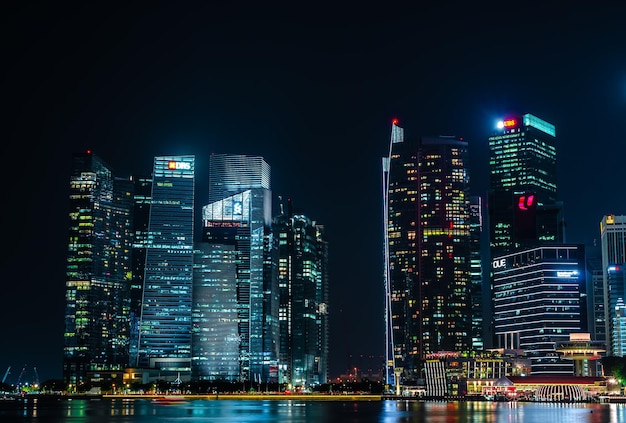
(170, 399)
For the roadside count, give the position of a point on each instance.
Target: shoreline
(181, 398)
(254, 397)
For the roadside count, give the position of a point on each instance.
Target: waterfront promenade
(249, 397)
(280, 396)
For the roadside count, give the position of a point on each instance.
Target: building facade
(522, 204)
(231, 174)
(426, 209)
(165, 328)
(240, 213)
(215, 334)
(537, 302)
(613, 250)
(479, 307)
(142, 194)
(301, 258)
(98, 266)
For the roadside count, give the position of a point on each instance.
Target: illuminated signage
(497, 264)
(237, 208)
(474, 210)
(172, 165)
(507, 123)
(525, 201)
(566, 273)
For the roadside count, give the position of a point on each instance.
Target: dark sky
(310, 87)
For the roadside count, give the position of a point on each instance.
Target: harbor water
(303, 411)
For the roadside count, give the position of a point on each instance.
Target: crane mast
(6, 374)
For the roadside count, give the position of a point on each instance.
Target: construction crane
(6, 374)
(19, 379)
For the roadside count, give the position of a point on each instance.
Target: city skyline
(317, 106)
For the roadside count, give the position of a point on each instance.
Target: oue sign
(498, 264)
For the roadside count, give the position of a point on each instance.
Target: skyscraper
(215, 334)
(479, 308)
(98, 268)
(426, 208)
(142, 193)
(613, 248)
(522, 204)
(165, 328)
(239, 214)
(595, 306)
(303, 306)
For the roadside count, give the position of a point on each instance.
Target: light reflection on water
(244, 411)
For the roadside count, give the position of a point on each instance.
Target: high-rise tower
(239, 215)
(426, 207)
(165, 328)
(303, 306)
(522, 204)
(215, 334)
(613, 247)
(98, 268)
(477, 278)
(142, 187)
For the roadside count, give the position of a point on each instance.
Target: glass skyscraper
(522, 204)
(426, 208)
(141, 216)
(479, 308)
(303, 305)
(596, 316)
(239, 214)
(613, 247)
(98, 270)
(165, 328)
(215, 325)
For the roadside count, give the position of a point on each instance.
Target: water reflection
(243, 411)
(497, 412)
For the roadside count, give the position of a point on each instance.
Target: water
(287, 411)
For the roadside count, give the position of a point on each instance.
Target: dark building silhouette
(97, 288)
(522, 204)
(427, 250)
(301, 260)
(142, 194)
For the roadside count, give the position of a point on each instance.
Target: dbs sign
(172, 165)
(507, 123)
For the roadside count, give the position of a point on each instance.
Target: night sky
(311, 88)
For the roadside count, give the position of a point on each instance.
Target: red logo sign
(525, 202)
